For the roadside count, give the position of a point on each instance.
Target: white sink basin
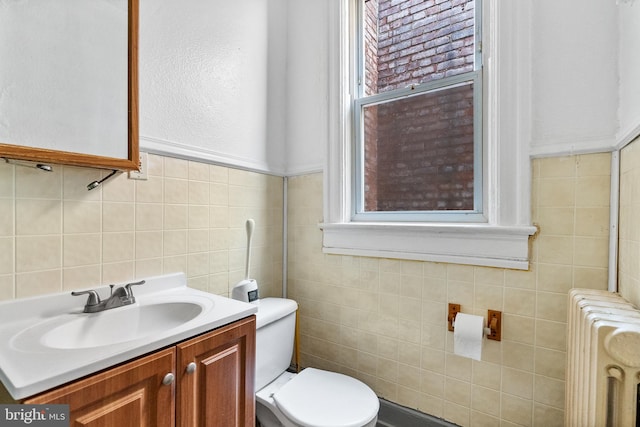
(47, 341)
(119, 325)
(109, 327)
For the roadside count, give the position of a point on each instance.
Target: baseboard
(393, 415)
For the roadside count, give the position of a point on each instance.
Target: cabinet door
(216, 377)
(130, 395)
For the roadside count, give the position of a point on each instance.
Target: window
(477, 210)
(418, 111)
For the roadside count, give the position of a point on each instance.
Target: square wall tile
(7, 223)
(7, 288)
(198, 171)
(517, 356)
(150, 191)
(550, 363)
(519, 301)
(81, 249)
(38, 216)
(488, 375)
(485, 400)
(518, 383)
(549, 391)
(82, 277)
(7, 182)
(117, 216)
(33, 183)
(148, 244)
(551, 306)
(176, 217)
(118, 246)
(38, 283)
(594, 164)
(557, 192)
(118, 272)
(119, 189)
(593, 191)
(518, 328)
(516, 410)
(148, 267)
(7, 258)
(199, 192)
(155, 165)
(557, 166)
(75, 181)
(175, 242)
(82, 217)
(176, 191)
(148, 216)
(556, 249)
(176, 168)
(34, 253)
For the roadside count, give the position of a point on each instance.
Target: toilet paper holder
(493, 330)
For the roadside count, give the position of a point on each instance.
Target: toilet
(311, 398)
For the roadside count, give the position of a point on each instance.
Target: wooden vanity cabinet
(127, 395)
(213, 385)
(216, 378)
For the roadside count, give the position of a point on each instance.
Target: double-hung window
(417, 111)
(427, 158)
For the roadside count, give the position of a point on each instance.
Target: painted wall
(384, 320)
(574, 75)
(307, 85)
(629, 13)
(576, 69)
(212, 80)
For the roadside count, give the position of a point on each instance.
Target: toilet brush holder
(246, 290)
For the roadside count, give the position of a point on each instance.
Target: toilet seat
(316, 398)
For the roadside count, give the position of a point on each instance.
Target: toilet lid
(316, 398)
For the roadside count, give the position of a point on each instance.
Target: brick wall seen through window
(419, 150)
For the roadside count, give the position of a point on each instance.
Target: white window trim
(503, 241)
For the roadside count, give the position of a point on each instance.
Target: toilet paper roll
(467, 335)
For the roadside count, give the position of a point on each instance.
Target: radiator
(603, 360)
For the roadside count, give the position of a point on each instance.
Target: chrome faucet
(120, 296)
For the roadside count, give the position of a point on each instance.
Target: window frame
(501, 241)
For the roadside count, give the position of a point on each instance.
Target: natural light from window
(418, 111)
(427, 157)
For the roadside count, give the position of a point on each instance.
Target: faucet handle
(94, 298)
(129, 285)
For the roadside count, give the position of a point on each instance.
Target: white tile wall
(384, 321)
(629, 227)
(188, 216)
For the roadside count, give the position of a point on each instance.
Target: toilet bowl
(311, 398)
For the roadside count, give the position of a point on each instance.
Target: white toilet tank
(275, 331)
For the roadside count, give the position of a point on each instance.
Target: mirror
(69, 82)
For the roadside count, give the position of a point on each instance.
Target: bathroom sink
(48, 340)
(109, 327)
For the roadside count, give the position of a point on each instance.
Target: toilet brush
(247, 289)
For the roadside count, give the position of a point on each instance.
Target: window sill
(475, 244)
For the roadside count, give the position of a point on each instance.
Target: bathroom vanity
(206, 380)
(175, 357)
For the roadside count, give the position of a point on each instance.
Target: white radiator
(603, 360)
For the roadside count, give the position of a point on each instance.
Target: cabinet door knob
(191, 368)
(168, 379)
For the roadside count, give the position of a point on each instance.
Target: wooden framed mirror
(69, 82)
